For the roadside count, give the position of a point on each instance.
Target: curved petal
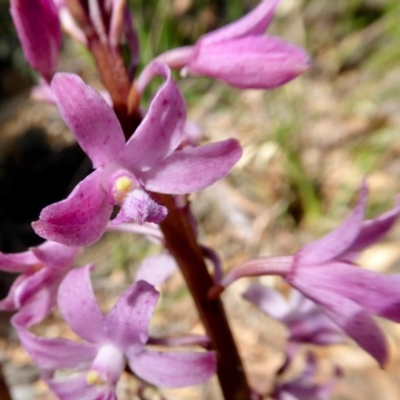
(76, 387)
(18, 262)
(378, 294)
(350, 316)
(127, 324)
(56, 353)
(156, 269)
(372, 231)
(255, 22)
(192, 169)
(8, 303)
(79, 306)
(79, 220)
(89, 117)
(161, 130)
(173, 369)
(339, 240)
(253, 62)
(55, 254)
(269, 301)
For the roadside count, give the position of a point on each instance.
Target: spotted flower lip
(324, 271)
(149, 161)
(34, 292)
(39, 31)
(110, 339)
(240, 55)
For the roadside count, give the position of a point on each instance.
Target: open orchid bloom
(39, 31)
(124, 172)
(111, 340)
(305, 386)
(240, 55)
(324, 272)
(34, 293)
(305, 321)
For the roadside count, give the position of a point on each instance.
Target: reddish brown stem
(182, 243)
(4, 391)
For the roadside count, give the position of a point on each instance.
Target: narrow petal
(79, 220)
(255, 22)
(378, 294)
(56, 353)
(79, 306)
(156, 269)
(339, 240)
(269, 301)
(161, 130)
(127, 324)
(8, 303)
(372, 231)
(193, 169)
(253, 62)
(76, 387)
(18, 262)
(350, 316)
(55, 254)
(89, 117)
(173, 369)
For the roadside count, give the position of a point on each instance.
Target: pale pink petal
(373, 231)
(156, 269)
(349, 315)
(253, 62)
(255, 22)
(76, 387)
(8, 303)
(127, 324)
(18, 262)
(89, 117)
(56, 353)
(161, 130)
(173, 369)
(193, 169)
(79, 306)
(338, 241)
(81, 219)
(55, 254)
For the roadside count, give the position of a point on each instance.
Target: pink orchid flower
(126, 171)
(111, 340)
(324, 271)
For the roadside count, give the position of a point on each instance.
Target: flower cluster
(146, 163)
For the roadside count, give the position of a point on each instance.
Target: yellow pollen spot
(123, 184)
(93, 378)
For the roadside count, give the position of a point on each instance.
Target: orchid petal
(55, 254)
(56, 353)
(255, 22)
(269, 301)
(76, 387)
(173, 369)
(192, 169)
(161, 130)
(339, 240)
(349, 315)
(89, 117)
(8, 303)
(79, 220)
(156, 269)
(18, 262)
(128, 322)
(79, 306)
(252, 62)
(378, 294)
(373, 231)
